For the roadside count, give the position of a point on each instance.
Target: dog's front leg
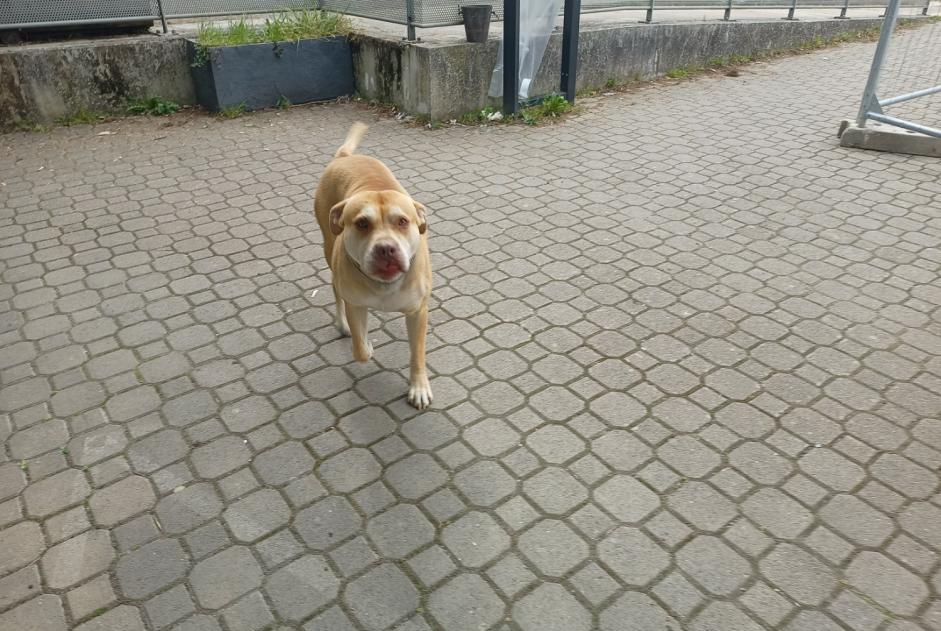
(419, 390)
(357, 318)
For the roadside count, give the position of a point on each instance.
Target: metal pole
(163, 19)
(511, 56)
(649, 17)
(846, 5)
(410, 20)
(925, 10)
(570, 25)
(728, 12)
(870, 102)
(791, 10)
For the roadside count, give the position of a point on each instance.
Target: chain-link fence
(16, 14)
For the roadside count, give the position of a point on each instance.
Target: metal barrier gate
(872, 106)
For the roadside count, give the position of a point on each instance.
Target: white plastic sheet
(537, 19)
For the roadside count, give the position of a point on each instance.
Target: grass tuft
(291, 25)
(153, 106)
(233, 111)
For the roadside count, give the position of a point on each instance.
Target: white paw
(343, 327)
(364, 354)
(419, 394)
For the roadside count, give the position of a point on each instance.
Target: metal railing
(21, 14)
(872, 107)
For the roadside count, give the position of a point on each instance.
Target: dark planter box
(258, 75)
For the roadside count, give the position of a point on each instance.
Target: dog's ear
(336, 217)
(420, 210)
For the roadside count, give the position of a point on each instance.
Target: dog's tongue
(387, 269)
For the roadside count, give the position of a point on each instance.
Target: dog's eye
(403, 222)
(362, 224)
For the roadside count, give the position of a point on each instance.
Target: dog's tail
(356, 133)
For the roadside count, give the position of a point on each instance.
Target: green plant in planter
(291, 25)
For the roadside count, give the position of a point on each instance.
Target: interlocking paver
(692, 360)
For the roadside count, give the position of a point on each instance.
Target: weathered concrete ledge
(42, 82)
(443, 81)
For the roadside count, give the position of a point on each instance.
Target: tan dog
(375, 242)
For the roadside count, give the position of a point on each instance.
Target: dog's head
(382, 231)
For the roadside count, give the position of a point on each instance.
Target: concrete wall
(42, 82)
(443, 81)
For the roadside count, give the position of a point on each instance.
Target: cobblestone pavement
(686, 357)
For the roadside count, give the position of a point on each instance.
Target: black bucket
(477, 22)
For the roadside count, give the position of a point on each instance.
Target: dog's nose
(386, 250)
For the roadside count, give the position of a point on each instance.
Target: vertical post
(924, 11)
(410, 20)
(511, 56)
(649, 17)
(846, 5)
(791, 11)
(727, 16)
(570, 25)
(870, 101)
(163, 18)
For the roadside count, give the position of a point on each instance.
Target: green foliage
(153, 106)
(292, 25)
(551, 107)
(83, 116)
(233, 111)
(283, 102)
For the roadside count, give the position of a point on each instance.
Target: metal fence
(904, 84)
(17, 14)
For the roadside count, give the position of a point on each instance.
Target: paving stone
(466, 603)
(43, 613)
(689, 456)
(832, 469)
(94, 595)
(97, 445)
(887, 583)
(777, 513)
(332, 618)
(20, 544)
(550, 608)
(632, 556)
(723, 616)
(200, 622)
(510, 575)
(475, 539)
(381, 597)
(157, 450)
(19, 586)
(327, 523)
(77, 559)
(149, 569)
(800, 575)
(12, 480)
(224, 577)
(38, 439)
(760, 463)
(56, 493)
(302, 587)
(188, 508)
(856, 520)
(621, 450)
(400, 531)
(123, 617)
(713, 565)
(221, 456)
(256, 515)
(626, 498)
(416, 476)
(635, 610)
(905, 476)
(169, 607)
(251, 613)
(283, 463)
(702, 506)
(349, 470)
(555, 491)
(553, 547)
(485, 483)
(121, 501)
